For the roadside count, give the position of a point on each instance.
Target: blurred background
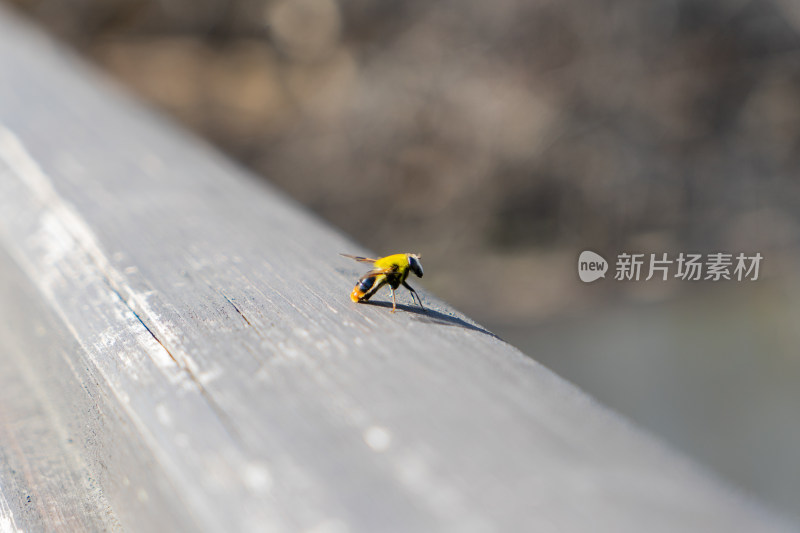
(499, 140)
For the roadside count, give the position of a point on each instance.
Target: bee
(392, 269)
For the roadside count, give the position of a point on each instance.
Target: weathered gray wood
(43, 477)
(192, 358)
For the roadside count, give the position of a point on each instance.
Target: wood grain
(185, 336)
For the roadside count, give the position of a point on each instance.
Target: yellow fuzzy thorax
(400, 261)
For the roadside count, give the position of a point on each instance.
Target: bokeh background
(500, 139)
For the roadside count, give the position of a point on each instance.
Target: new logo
(591, 266)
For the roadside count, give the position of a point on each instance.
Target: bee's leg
(394, 304)
(413, 294)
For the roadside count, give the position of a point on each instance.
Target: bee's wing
(377, 272)
(359, 258)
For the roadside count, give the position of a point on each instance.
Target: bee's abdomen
(362, 288)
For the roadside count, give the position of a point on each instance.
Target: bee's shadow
(433, 317)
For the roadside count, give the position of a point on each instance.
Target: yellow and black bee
(392, 269)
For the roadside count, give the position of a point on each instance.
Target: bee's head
(414, 264)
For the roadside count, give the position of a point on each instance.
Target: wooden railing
(178, 352)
